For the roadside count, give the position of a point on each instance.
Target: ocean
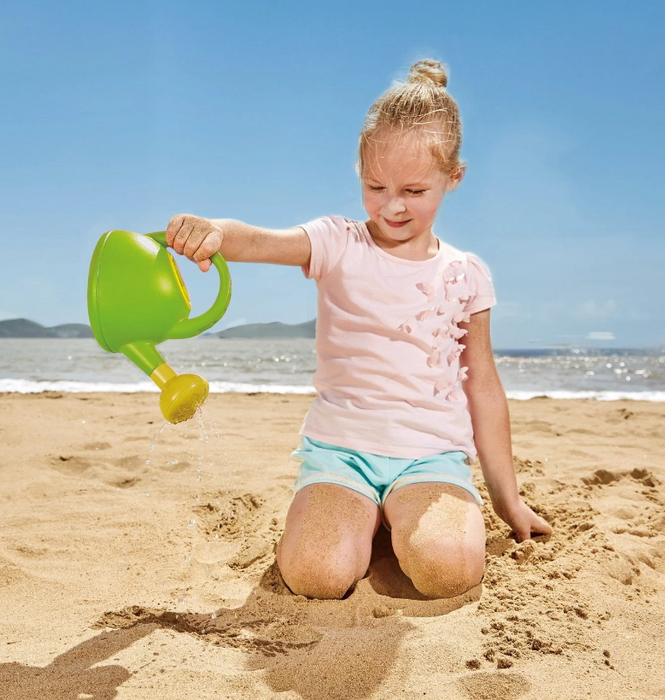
(286, 366)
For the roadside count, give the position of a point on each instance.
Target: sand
(130, 573)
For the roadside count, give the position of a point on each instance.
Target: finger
(183, 234)
(204, 265)
(210, 245)
(173, 228)
(541, 526)
(193, 244)
(522, 534)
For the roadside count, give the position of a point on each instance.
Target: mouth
(396, 224)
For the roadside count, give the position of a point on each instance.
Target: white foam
(655, 396)
(27, 386)
(236, 387)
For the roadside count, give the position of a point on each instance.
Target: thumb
(204, 265)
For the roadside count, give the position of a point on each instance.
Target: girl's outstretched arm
(491, 427)
(199, 238)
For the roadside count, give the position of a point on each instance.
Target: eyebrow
(413, 184)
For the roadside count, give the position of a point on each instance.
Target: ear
(456, 177)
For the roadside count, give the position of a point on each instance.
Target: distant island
(23, 328)
(268, 330)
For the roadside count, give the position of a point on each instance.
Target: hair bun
(428, 72)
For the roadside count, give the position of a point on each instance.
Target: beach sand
(133, 573)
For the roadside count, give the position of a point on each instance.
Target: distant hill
(268, 330)
(23, 328)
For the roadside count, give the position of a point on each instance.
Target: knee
(313, 577)
(443, 569)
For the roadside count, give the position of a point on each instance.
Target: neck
(422, 247)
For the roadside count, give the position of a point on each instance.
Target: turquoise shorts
(376, 476)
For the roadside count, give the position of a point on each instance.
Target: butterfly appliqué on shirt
(445, 302)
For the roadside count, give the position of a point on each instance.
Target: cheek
(427, 209)
(371, 202)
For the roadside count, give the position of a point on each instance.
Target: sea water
(286, 366)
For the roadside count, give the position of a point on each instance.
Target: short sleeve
(481, 290)
(328, 236)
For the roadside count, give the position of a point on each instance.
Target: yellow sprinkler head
(181, 394)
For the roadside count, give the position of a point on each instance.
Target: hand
(524, 521)
(196, 238)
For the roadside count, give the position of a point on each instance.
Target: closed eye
(374, 188)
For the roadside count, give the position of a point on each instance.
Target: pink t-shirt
(388, 344)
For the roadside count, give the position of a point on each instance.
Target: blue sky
(120, 115)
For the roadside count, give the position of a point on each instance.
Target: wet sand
(130, 573)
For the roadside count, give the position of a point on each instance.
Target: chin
(397, 234)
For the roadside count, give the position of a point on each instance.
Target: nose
(395, 205)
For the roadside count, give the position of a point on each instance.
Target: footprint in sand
(243, 518)
(70, 464)
(105, 470)
(604, 477)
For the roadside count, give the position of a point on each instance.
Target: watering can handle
(189, 327)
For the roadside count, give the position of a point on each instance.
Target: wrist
(505, 503)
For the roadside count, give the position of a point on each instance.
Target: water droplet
(148, 495)
(213, 616)
(192, 523)
(83, 422)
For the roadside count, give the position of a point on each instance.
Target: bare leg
(327, 542)
(438, 535)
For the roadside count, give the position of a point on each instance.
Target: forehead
(399, 159)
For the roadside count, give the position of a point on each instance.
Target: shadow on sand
(70, 676)
(317, 648)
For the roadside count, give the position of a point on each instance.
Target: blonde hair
(421, 106)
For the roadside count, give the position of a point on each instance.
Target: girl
(405, 377)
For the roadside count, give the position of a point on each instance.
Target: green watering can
(137, 299)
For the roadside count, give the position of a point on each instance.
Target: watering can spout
(137, 299)
(181, 394)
